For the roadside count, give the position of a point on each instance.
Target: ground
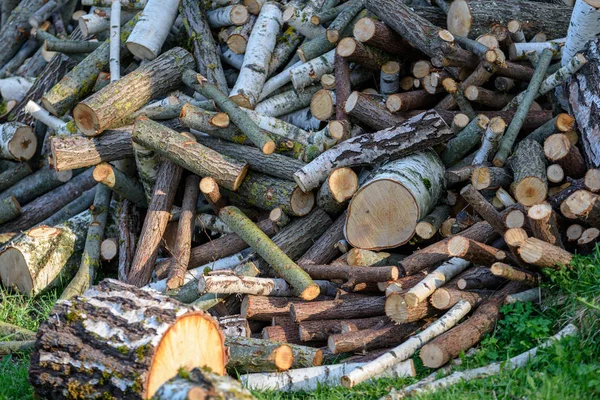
(570, 369)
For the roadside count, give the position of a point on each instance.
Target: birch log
(201, 383)
(583, 28)
(255, 69)
(152, 29)
(426, 130)
(384, 212)
(17, 141)
(434, 280)
(408, 348)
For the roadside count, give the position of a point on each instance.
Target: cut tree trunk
(513, 274)
(76, 151)
(254, 355)
(17, 141)
(542, 220)
(529, 169)
(155, 223)
(545, 255)
(473, 251)
(559, 149)
(337, 190)
(367, 306)
(200, 383)
(412, 184)
(363, 108)
(35, 260)
(429, 225)
(150, 33)
(120, 183)
(584, 206)
(372, 338)
(144, 358)
(351, 274)
(119, 99)
(446, 297)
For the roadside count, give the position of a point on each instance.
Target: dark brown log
(559, 149)
(322, 329)
(410, 100)
(542, 220)
(336, 309)
(285, 333)
(264, 308)
(584, 206)
(324, 250)
(487, 97)
(375, 115)
(369, 57)
(343, 87)
(352, 275)
(69, 357)
(159, 213)
(483, 208)
(476, 252)
(479, 278)
(534, 119)
(467, 334)
(437, 252)
(48, 204)
(377, 34)
(373, 338)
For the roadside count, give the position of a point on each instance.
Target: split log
(473, 251)
(421, 291)
(79, 81)
(266, 193)
(75, 151)
(310, 379)
(408, 348)
(367, 306)
(17, 141)
(475, 18)
(185, 152)
(283, 265)
(368, 111)
(467, 334)
(204, 49)
(254, 70)
(542, 254)
(337, 190)
(513, 274)
(136, 360)
(394, 187)
(528, 165)
(558, 149)
(200, 383)
(35, 260)
(46, 205)
(155, 223)
(542, 220)
(372, 338)
(479, 278)
(254, 355)
(114, 102)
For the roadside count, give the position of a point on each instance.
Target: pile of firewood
(278, 186)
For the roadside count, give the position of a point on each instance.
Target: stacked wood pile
(355, 180)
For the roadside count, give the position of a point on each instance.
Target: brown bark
(545, 255)
(285, 333)
(377, 34)
(363, 108)
(322, 329)
(352, 275)
(559, 149)
(513, 274)
(476, 252)
(264, 308)
(410, 100)
(369, 57)
(323, 250)
(336, 309)
(400, 312)
(542, 220)
(343, 87)
(159, 212)
(479, 278)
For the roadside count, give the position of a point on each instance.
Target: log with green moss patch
(200, 382)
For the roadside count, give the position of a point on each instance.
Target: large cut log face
(193, 341)
(384, 216)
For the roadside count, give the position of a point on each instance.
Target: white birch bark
(287, 102)
(17, 141)
(309, 379)
(227, 16)
(563, 74)
(300, 20)
(98, 20)
(231, 284)
(518, 51)
(531, 295)
(311, 71)
(303, 119)
(15, 87)
(491, 141)
(277, 81)
(389, 80)
(442, 274)
(583, 27)
(230, 58)
(130, 4)
(493, 369)
(195, 273)
(212, 223)
(255, 69)
(408, 348)
(115, 41)
(151, 31)
(44, 116)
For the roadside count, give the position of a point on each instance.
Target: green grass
(570, 369)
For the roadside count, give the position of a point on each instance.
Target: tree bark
(352, 275)
(255, 355)
(426, 287)
(446, 297)
(513, 274)
(379, 35)
(17, 141)
(191, 155)
(479, 278)
(372, 338)
(476, 252)
(137, 359)
(120, 183)
(15, 30)
(394, 186)
(361, 107)
(528, 165)
(200, 383)
(559, 149)
(427, 129)
(323, 250)
(542, 220)
(336, 309)
(155, 223)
